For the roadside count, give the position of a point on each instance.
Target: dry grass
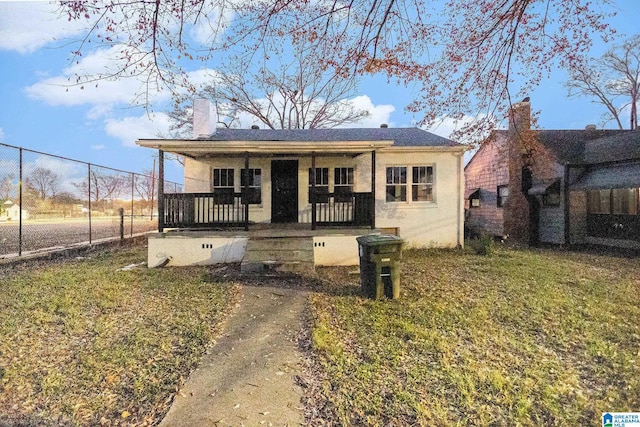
(521, 338)
(84, 343)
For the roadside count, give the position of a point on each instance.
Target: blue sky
(99, 125)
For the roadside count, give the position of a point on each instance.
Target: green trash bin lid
(379, 240)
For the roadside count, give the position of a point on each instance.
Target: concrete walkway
(248, 377)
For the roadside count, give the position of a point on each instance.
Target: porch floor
(258, 231)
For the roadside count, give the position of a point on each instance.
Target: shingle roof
(618, 147)
(568, 145)
(402, 137)
(578, 146)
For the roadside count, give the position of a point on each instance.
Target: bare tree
(103, 187)
(6, 186)
(613, 80)
(297, 94)
(43, 181)
(462, 55)
(144, 185)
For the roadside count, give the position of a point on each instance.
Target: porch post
(160, 191)
(313, 190)
(373, 189)
(567, 205)
(246, 191)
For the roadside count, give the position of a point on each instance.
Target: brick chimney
(516, 209)
(204, 119)
(520, 116)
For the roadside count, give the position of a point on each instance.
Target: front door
(284, 191)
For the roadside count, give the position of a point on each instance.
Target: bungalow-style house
(566, 187)
(326, 185)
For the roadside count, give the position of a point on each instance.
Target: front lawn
(521, 338)
(85, 343)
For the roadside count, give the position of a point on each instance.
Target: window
(422, 184)
(474, 199)
(396, 184)
(252, 195)
(624, 201)
(223, 186)
(343, 184)
(503, 194)
(599, 201)
(620, 201)
(551, 199)
(551, 196)
(322, 185)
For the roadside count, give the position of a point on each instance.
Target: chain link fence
(48, 201)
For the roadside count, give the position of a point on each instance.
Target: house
(561, 187)
(338, 183)
(11, 212)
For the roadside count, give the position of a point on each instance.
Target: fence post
(20, 203)
(133, 183)
(121, 212)
(89, 189)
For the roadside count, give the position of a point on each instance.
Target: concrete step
(275, 267)
(277, 255)
(281, 243)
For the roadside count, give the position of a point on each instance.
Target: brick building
(517, 184)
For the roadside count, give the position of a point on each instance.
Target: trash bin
(380, 256)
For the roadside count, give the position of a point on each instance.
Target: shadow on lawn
(335, 281)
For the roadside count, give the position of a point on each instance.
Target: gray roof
(619, 147)
(588, 146)
(602, 177)
(570, 146)
(402, 137)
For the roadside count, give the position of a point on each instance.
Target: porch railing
(344, 209)
(194, 210)
(203, 210)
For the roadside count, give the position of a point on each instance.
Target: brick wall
(486, 171)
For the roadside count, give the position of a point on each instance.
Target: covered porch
(273, 178)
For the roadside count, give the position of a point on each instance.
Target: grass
(83, 343)
(521, 338)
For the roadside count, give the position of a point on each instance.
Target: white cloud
(67, 171)
(211, 26)
(104, 94)
(446, 126)
(1, 133)
(27, 26)
(64, 89)
(62, 168)
(97, 147)
(98, 111)
(378, 114)
(129, 129)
